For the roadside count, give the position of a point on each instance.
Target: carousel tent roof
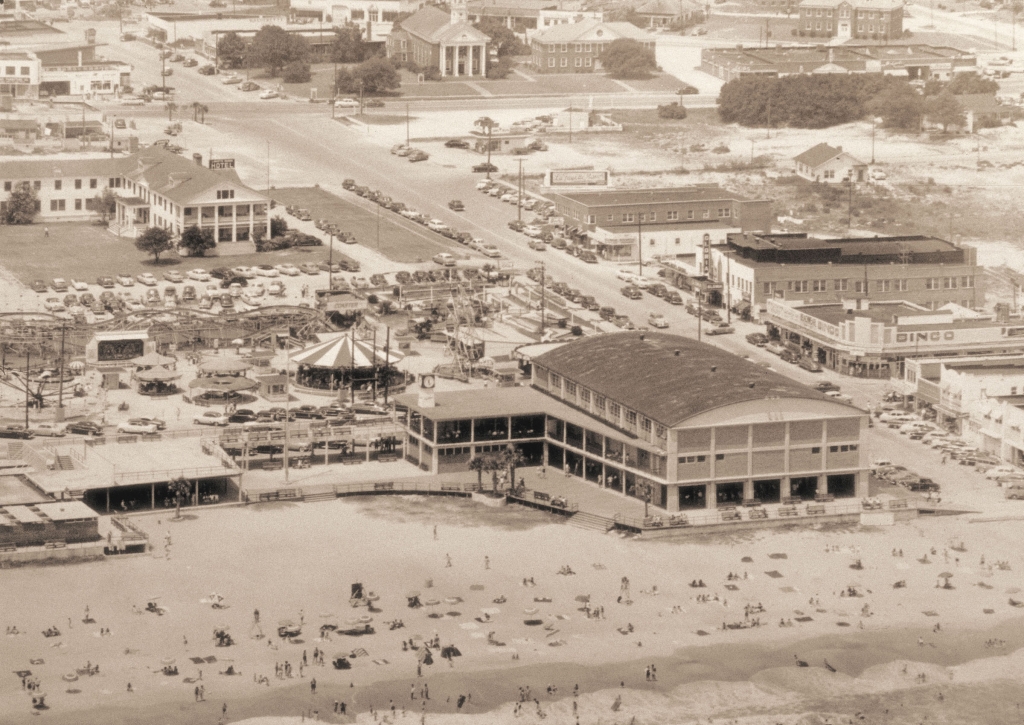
(152, 360)
(223, 365)
(224, 384)
(338, 353)
(157, 375)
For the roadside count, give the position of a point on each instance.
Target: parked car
(147, 279)
(136, 428)
(289, 270)
(631, 293)
(456, 205)
(658, 320)
(59, 284)
(266, 270)
(15, 431)
(722, 328)
(418, 155)
(436, 225)
(84, 427)
(51, 430)
(456, 143)
(674, 298)
(809, 365)
(826, 386)
(207, 70)
(198, 275)
(309, 268)
(587, 256)
(249, 86)
(485, 168)
(444, 259)
(841, 397)
(174, 276)
(346, 102)
(39, 285)
(757, 338)
(537, 245)
(211, 417)
(125, 280)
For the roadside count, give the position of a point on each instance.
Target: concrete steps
(591, 522)
(65, 462)
(320, 496)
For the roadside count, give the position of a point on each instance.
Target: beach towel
(211, 659)
(702, 633)
(476, 587)
(774, 574)
(787, 590)
(197, 660)
(732, 587)
(778, 556)
(805, 619)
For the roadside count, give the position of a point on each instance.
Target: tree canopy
(899, 106)
(105, 204)
(21, 205)
(503, 39)
(377, 75)
(945, 110)
(296, 72)
(230, 50)
(197, 240)
(962, 84)
(348, 46)
(627, 58)
(272, 48)
(800, 101)
(155, 241)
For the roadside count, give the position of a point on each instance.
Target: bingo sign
(579, 178)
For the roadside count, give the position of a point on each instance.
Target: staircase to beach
(591, 522)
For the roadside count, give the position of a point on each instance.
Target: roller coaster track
(40, 332)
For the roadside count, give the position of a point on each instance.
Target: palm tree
(180, 489)
(511, 459)
(171, 108)
(478, 464)
(488, 123)
(203, 110)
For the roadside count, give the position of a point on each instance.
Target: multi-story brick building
(577, 47)
(926, 271)
(432, 38)
(861, 19)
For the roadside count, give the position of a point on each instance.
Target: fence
(422, 486)
(136, 477)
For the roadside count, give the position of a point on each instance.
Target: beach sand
(297, 561)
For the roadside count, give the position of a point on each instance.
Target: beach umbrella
(365, 619)
(946, 575)
(583, 598)
(285, 623)
(167, 661)
(412, 595)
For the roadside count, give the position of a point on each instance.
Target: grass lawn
(401, 241)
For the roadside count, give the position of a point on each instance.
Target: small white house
(830, 165)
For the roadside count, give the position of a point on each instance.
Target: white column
(483, 60)
(444, 58)
(455, 60)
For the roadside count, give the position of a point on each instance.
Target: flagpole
(352, 367)
(374, 364)
(287, 398)
(387, 364)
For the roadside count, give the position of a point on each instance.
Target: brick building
(577, 47)
(432, 38)
(860, 19)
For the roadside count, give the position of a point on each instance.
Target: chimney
(676, 353)
(839, 148)
(198, 158)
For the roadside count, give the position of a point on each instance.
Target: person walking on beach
(448, 561)
(487, 562)
(312, 686)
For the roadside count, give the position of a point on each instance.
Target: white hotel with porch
(154, 187)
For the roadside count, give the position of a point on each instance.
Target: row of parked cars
(409, 152)
(435, 225)
(901, 476)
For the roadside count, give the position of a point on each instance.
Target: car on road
(532, 231)
(809, 365)
(249, 86)
(418, 155)
(198, 275)
(59, 284)
(207, 70)
(136, 428)
(84, 427)
(373, 103)
(757, 338)
(39, 285)
(489, 250)
(173, 276)
(211, 417)
(841, 397)
(456, 205)
(268, 94)
(485, 168)
(587, 256)
(231, 80)
(190, 63)
(456, 143)
(436, 225)
(51, 430)
(658, 320)
(167, 72)
(631, 293)
(517, 225)
(444, 259)
(537, 245)
(826, 386)
(346, 102)
(721, 328)
(147, 279)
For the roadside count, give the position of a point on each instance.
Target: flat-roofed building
(845, 19)
(670, 221)
(577, 47)
(867, 338)
(635, 412)
(927, 271)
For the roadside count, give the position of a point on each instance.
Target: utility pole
(287, 396)
(640, 242)
(728, 288)
(111, 137)
(849, 214)
(60, 384)
(874, 122)
(519, 196)
(330, 260)
(28, 356)
(378, 227)
(543, 312)
(268, 176)
(769, 130)
(570, 120)
(387, 363)
(700, 313)
(407, 128)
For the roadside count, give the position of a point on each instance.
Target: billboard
(579, 178)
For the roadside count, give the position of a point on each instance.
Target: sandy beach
(297, 561)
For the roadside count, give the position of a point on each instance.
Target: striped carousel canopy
(339, 353)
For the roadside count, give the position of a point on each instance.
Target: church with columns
(432, 38)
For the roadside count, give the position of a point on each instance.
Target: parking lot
(398, 240)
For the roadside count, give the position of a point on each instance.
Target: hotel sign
(579, 178)
(222, 163)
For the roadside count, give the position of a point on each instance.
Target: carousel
(345, 363)
(155, 374)
(222, 381)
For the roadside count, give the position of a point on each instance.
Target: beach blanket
(805, 619)
(197, 660)
(476, 587)
(778, 556)
(787, 590)
(774, 574)
(732, 587)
